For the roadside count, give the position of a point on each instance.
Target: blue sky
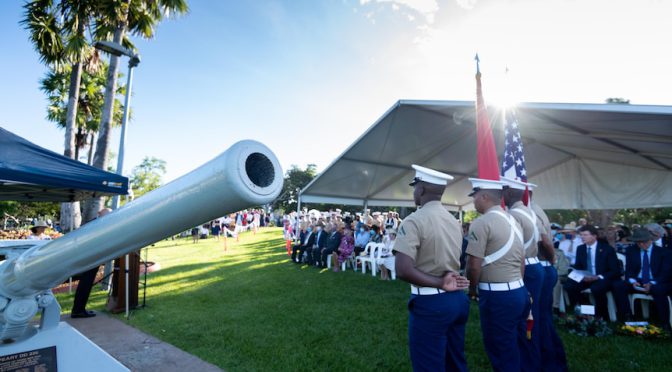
(308, 77)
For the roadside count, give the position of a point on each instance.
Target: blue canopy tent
(31, 173)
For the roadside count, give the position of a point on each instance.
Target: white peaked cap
(531, 186)
(513, 183)
(430, 176)
(481, 184)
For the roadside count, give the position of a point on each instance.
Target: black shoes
(83, 314)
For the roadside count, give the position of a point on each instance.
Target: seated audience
(597, 260)
(306, 242)
(657, 234)
(376, 236)
(386, 260)
(622, 239)
(568, 243)
(362, 239)
(319, 244)
(648, 270)
(333, 241)
(344, 249)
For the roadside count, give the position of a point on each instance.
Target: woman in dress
(345, 248)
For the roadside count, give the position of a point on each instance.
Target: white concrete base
(74, 352)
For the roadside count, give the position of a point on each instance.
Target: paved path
(136, 350)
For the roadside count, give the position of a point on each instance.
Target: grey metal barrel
(247, 174)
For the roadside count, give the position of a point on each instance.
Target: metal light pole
(134, 61)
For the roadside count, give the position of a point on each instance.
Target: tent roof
(587, 156)
(31, 173)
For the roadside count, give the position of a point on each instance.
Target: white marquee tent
(585, 156)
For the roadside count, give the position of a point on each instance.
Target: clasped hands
(454, 282)
(638, 285)
(590, 278)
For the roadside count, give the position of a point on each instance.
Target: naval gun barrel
(245, 175)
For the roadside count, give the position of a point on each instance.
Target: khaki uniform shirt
(543, 224)
(487, 234)
(528, 226)
(432, 237)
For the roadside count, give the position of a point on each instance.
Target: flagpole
(486, 152)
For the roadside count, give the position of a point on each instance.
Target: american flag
(513, 165)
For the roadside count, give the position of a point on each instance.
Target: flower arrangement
(642, 329)
(586, 325)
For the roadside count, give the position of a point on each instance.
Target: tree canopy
(147, 176)
(295, 179)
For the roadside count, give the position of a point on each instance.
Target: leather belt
(545, 263)
(425, 291)
(531, 261)
(510, 286)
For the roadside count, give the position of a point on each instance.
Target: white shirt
(577, 241)
(569, 249)
(39, 237)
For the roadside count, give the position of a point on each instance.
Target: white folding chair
(645, 303)
(564, 298)
(611, 304)
(352, 261)
(669, 299)
(621, 257)
(377, 255)
(367, 256)
(343, 266)
(393, 273)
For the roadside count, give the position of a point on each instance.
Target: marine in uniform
(530, 349)
(553, 356)
(495, 268)
(428, 248)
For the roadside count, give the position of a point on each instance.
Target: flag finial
(478, 69)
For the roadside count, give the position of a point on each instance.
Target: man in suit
(319, 243)
(307, 241)
(333, 241)
(599, 260)
(648, 270)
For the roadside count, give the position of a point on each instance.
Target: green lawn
(251, 309)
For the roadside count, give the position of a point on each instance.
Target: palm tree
(90, 103)
(139, 18)
(57, 30)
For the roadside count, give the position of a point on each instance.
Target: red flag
(486, 152)
(530, 325)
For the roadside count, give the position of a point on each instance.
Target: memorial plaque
(39, 360)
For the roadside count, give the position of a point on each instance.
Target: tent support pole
(298, 215)
(578, 166)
